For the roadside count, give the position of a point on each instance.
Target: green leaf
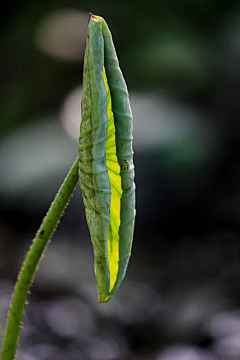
(106, 169)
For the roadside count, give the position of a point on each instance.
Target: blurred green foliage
(167, 45)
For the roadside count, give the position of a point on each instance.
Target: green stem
(30, 264)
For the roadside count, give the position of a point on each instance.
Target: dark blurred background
(181, 297)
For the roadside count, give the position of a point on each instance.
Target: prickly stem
(29, 267)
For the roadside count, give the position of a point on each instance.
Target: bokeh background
(181, 297)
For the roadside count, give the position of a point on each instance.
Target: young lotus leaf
(106, 170)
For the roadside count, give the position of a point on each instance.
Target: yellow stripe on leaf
(116, 190)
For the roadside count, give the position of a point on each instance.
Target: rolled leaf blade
(106, 170)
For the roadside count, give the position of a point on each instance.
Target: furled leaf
(106, 168)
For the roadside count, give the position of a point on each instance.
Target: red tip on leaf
(93, 16)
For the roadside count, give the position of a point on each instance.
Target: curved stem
(33, 257)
